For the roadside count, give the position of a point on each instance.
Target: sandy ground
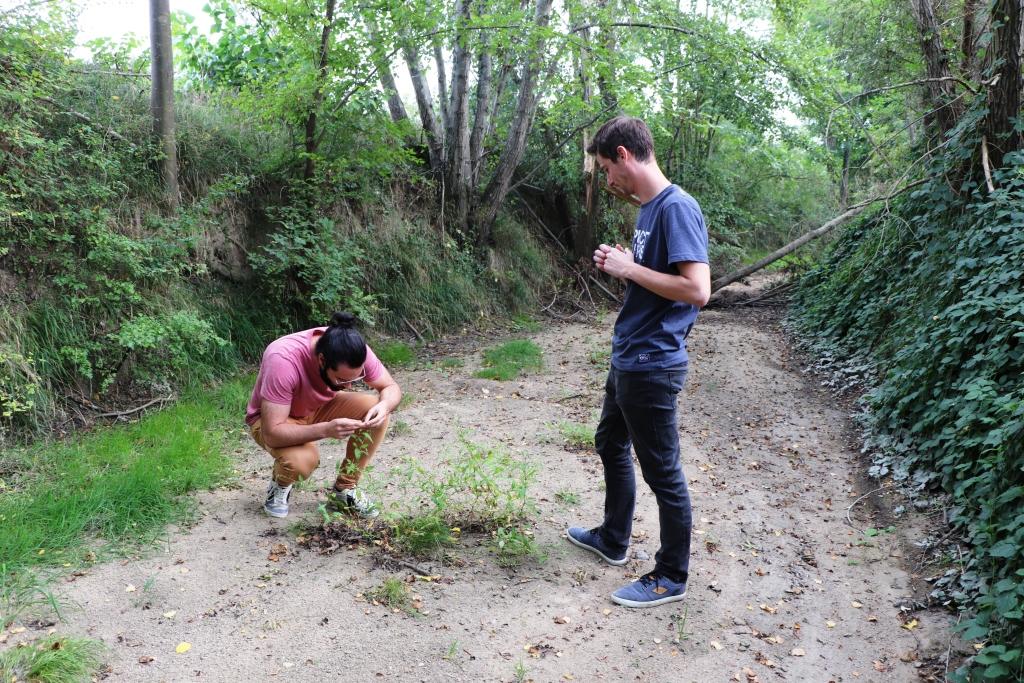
(782, 587)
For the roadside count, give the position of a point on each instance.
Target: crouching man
(303, 394)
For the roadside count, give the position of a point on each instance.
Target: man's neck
(650, 182)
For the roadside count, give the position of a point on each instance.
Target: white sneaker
(354, 501)
(276, 504)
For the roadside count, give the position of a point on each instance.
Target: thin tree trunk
(425, 105)
(941, 91)
(162, 99)
(844, 179)
(1004, 97)
(606, 38)
(515, 145)
(967, 63)
(458, 162)
(442, 85)
(583, 232)
(318, 93)
(480, 116)
(387, 80)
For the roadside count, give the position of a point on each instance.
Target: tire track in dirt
(776, 570)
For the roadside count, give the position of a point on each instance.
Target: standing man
(300, 397)
(667, 281)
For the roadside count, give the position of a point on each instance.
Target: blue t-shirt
(650, 332)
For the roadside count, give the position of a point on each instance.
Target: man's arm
(278, 432)
(390, 395)
(692, 285)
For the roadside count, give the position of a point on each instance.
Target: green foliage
(576, 435)
(392, 593)
(931, 295)
(121, 485)
(514, 545)
(511, 359)
(480, 488)
(54, 659)
(395, 354)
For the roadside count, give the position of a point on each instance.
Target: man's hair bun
(344, 320)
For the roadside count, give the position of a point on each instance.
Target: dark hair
(342, 343)
(633, 134)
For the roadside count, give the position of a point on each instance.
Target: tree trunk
(442, 86)
(844, 179)
(606, 38)
(458, 163)
(162, 99)
(942, 94)
(425, 105)
(526, 105)
(318, 93)
(967, 38)
(1004, 97)
(583, 227)
(480, 116)
(387, 80)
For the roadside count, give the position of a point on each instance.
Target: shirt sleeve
(687, 234)
(280, 380)
(372, 367)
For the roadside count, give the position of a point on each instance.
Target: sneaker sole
(625, 602)
(270, 512)
(614, 563)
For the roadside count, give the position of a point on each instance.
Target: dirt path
(782, 588)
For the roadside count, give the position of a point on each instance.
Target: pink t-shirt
(290, 375)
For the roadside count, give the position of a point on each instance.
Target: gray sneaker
(353, 501)
(276, 504)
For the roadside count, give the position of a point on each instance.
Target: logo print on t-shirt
(639, 243)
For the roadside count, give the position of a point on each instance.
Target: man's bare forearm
(689, 289)
(291, 434)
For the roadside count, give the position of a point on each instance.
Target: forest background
(154, 235)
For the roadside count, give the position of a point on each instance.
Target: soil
(782, 585)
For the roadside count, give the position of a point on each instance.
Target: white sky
(117, 18)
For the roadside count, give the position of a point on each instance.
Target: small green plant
(399, 427)
(519, 672)
(601, 356)
(679, 622)
(25, 595)
(452, 653)
(421, 535)
(451, 363)
(575, 435)
(512, 358)
(395, 354)
(56, 659)
(408, 398)
(394, 594)
(567, 497)
(514, 545)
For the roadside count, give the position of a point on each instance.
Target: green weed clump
(395, 354)
(55, 659)
(926, 301)
(393, 593)
(511, 359)
(575, 435)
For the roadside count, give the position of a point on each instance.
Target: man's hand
(376, 416)
(616, 261)
(341, 427)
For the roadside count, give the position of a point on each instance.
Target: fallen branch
(124, 413)
(414, 330)
(603, 288)
(852, 212)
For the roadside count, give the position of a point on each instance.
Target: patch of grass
(451, 363)
(512, 358)
(408, 398)
(112, 489)
(600, 356)
(399, 427)
(576, 435)
(567, 497)
(519, 672)
(421, 535)
(525, 323)
(679, 622)
(54, 659)
(25, 595)
(395, 354)
(394, 594)
(452, 653)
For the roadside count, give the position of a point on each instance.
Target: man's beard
(330, 385)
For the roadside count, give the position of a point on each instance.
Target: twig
(603, 288)
(86, 120)
(391, 559)
(123, 413)
(850, 509)
(415, 331)
(985, 164)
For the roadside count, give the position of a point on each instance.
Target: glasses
(353, 380)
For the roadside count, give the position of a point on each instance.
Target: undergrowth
(928, 298)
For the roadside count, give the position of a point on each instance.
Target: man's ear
(622, 152)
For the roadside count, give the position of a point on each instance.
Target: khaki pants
(294, 462)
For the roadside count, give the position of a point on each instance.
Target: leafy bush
(931, 296)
